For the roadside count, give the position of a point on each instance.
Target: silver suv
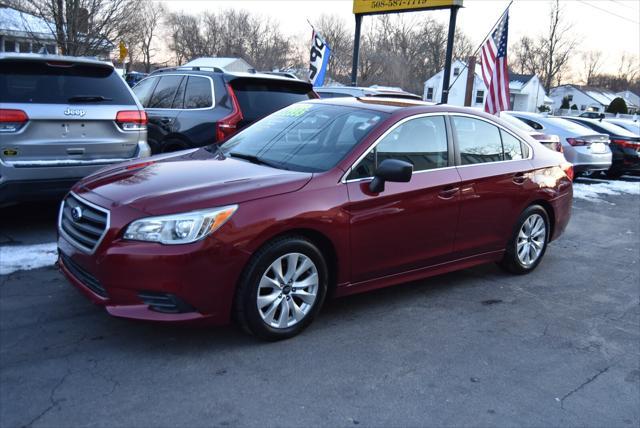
(62, 118)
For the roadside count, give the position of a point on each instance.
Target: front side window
(165, 91)
(303, 137)
(421, 142)
(478, 141)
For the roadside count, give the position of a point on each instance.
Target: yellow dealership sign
(386, 6)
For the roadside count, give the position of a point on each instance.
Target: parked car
(134, 77)
(335, 196)
(194, 106)
(551, 142)
(624, 145)
(587, 150)
(595, 115)
(62, 118)
(355, 91)
(629, 125)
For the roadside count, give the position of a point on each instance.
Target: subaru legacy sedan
(322, 198)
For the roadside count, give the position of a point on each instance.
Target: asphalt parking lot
(479, 347)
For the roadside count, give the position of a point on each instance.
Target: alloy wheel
(531, 239)
(287, 290)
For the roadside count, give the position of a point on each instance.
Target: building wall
(579, 98)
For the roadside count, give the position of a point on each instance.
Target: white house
(588, 98)
(22, 32)
(632, 100)
(527, 92)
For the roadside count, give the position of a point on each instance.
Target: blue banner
(319, 59)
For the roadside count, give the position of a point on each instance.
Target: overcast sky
(611, 26)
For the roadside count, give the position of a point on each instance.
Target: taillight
(228, 125)
(12, 120)
(558, 147)
(132, 120)
(577, 142)
(139, 165)
(625, 143)
(568, 170)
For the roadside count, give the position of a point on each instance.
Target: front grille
(87, 229)
(83, 276)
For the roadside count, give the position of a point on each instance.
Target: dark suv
(192, 107)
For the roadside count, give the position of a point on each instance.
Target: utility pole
(447, 62)
(471, 77)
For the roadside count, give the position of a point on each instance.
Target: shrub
(618, 106)
(574, 107)
(565, 103)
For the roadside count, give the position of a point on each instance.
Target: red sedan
(324, 197)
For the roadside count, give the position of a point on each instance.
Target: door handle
(519, 178)
(165, 120)
(448, 192)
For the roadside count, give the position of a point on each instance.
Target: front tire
(282, 288)
(527, 246)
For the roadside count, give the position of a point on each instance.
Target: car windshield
(303, 137)
(569, 125)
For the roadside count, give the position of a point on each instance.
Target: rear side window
(259, 98)
(478, 141)
(144, 89)
(511, 146)
(57, 82)
(165, 92)
(198, 93)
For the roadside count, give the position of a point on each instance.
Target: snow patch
(26, 257)
(595, 192)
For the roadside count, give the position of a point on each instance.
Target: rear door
(162, 100)
(71, 109)
(494, 168)
(261, 97)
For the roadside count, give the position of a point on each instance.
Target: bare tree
(151, 16)
(592, 61)
(83, 27)
(548, 55)
(336, 33)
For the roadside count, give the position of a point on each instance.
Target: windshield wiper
(88, 99)
(252, 158)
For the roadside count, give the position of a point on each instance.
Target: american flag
(494, 68)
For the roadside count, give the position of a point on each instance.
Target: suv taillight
(568, 169)
(12, 120)
(132, 120)
(228, 125)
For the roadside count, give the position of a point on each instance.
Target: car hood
(187, 181)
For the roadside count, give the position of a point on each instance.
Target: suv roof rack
(185, 68)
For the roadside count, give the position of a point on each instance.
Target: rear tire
(614, 174)
(527, 246)
(281, 289)
(173, 146)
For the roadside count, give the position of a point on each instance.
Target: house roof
(15, 21)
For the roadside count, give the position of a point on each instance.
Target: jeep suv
(62, 118)
(198, 106)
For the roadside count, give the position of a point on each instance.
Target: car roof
(365, 89)
(52, 58)
(393, 105)
(229, 75)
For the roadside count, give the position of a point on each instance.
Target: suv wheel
(282, 289)
(529, 242)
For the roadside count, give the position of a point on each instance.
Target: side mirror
(390, 170)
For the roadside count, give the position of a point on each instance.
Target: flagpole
(481, 43)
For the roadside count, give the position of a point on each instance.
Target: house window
(456, 71)
(429, 94)
(25, 47)
(583, 107)
(479, 97)
(9, 45)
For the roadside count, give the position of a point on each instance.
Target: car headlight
(179, 228)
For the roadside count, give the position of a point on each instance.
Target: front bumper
(203, 275)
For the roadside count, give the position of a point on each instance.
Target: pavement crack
(52, 400)
(582, 385)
